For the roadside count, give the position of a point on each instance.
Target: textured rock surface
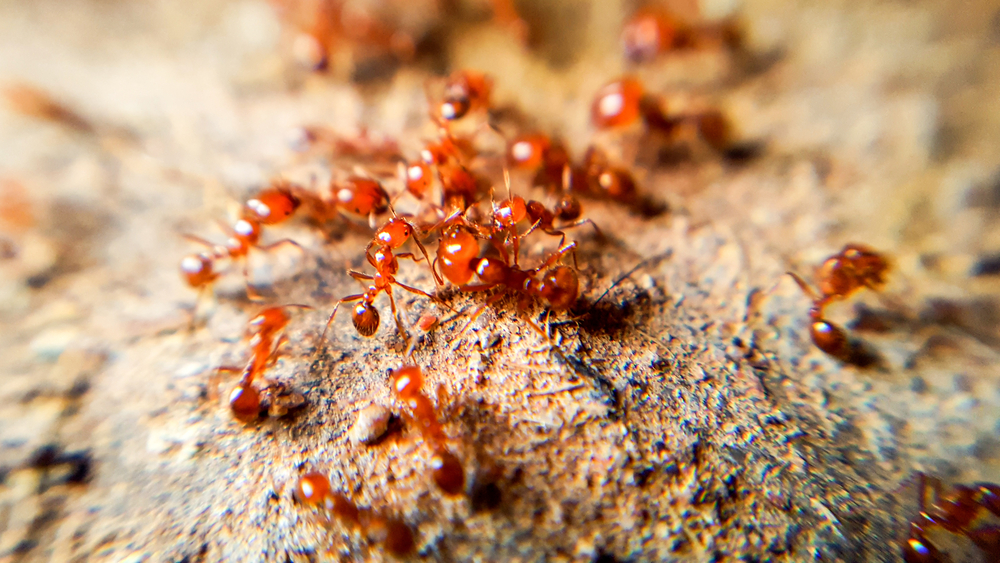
(688, 418)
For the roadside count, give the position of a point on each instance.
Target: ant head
(395, 232)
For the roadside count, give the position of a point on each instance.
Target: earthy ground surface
(688, 417)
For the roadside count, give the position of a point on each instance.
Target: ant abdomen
(559, 287)
(447, 472)
(365, 318)
(456, 252)
(617, 104)
(831, 339)
(244, 401)
(568, 208)
(272, 206)
(312, 489)
(362, 196)
(528, 152)
(399, 540)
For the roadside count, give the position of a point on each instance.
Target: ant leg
(475, 314)
(360, 276)
(192, 324)
(437, 279)
(252, 294)
(415, 290)
(555, 256)
(581, 222)
(395, 317)
(411, 256)
(281, 242)
(348, 299)
(531, 229)
(218, 250)
(276, 351)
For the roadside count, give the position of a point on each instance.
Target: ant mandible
(855, 267)
(956, 512)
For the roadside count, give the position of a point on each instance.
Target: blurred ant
(313, 489)
(272, 206)
(960, 511)
(447, 470)
(245, 401)
(465, 91)
(624, 103)
(328, 26)
(855, 267)
(650, 33)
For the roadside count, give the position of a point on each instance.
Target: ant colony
(471, 241)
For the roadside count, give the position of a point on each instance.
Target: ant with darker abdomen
(855, 267)
(962, 510)
(365, 317)
(245, 400)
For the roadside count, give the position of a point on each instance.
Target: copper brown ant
(465, 91)
(391, 236)
(624, 103)
(650, 33)
(959, 511)
(446, 469)
(245, 400)
(855, 267)
(314, 489)
(270, 207)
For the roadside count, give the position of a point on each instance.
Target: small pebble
(372, 423)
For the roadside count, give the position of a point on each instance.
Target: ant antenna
(506, 181)
(648, 261)
(803, 286)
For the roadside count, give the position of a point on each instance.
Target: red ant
(389, 237)
(270, 207)
(840, 276)
(509, 212)
(464, 91)
(623, 103)
(245, 400)
(328, 25)
(956, 512)
(557, 287)
(650, 33)
(313, 489)
(606, 181)
(447, 470)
